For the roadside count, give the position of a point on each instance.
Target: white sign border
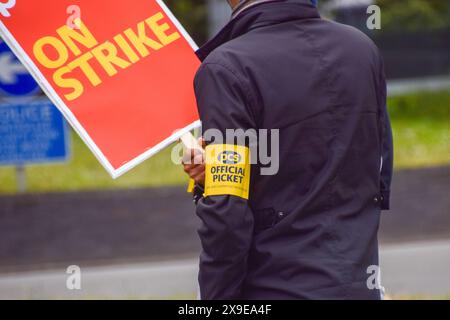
(76, 125)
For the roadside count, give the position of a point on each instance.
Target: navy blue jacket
(310, 231)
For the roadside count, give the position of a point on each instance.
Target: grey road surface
(128, 226)
(419, 268)
(117, 237)
(414, 269)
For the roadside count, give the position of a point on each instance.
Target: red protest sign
(120, 72)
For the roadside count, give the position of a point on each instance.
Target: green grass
(421, 125)
(84, 172)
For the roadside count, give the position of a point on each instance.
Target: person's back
(321, 84)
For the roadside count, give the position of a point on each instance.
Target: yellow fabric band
(227, 170)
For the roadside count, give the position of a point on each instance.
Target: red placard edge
(76, 125)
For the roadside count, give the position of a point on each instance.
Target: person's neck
(240, 7)
(234, 3)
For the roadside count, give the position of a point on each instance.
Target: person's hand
(194, 165)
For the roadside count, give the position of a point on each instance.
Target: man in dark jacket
(310, 230)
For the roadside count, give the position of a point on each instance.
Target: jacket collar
(260, 15)
(245, 5)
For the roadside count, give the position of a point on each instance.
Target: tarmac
(407, 270)
(119, 239)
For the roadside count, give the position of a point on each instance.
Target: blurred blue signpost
(32, 130)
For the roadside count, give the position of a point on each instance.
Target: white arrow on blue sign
(14, 78)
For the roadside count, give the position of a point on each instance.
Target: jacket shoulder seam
(247, 90)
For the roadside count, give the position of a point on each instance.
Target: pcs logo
(229, 157)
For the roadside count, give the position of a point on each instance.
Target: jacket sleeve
(387, 145)
(227, 220)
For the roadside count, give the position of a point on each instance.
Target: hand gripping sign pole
(122, 77)
(190, 143)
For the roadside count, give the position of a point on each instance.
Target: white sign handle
(190, 142)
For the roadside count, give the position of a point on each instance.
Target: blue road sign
(14, 78)
(32, 133)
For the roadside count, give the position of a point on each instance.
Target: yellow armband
(227, 170)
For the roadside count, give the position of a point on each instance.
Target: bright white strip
(178, 25)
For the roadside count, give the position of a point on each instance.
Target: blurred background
(136, 237)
